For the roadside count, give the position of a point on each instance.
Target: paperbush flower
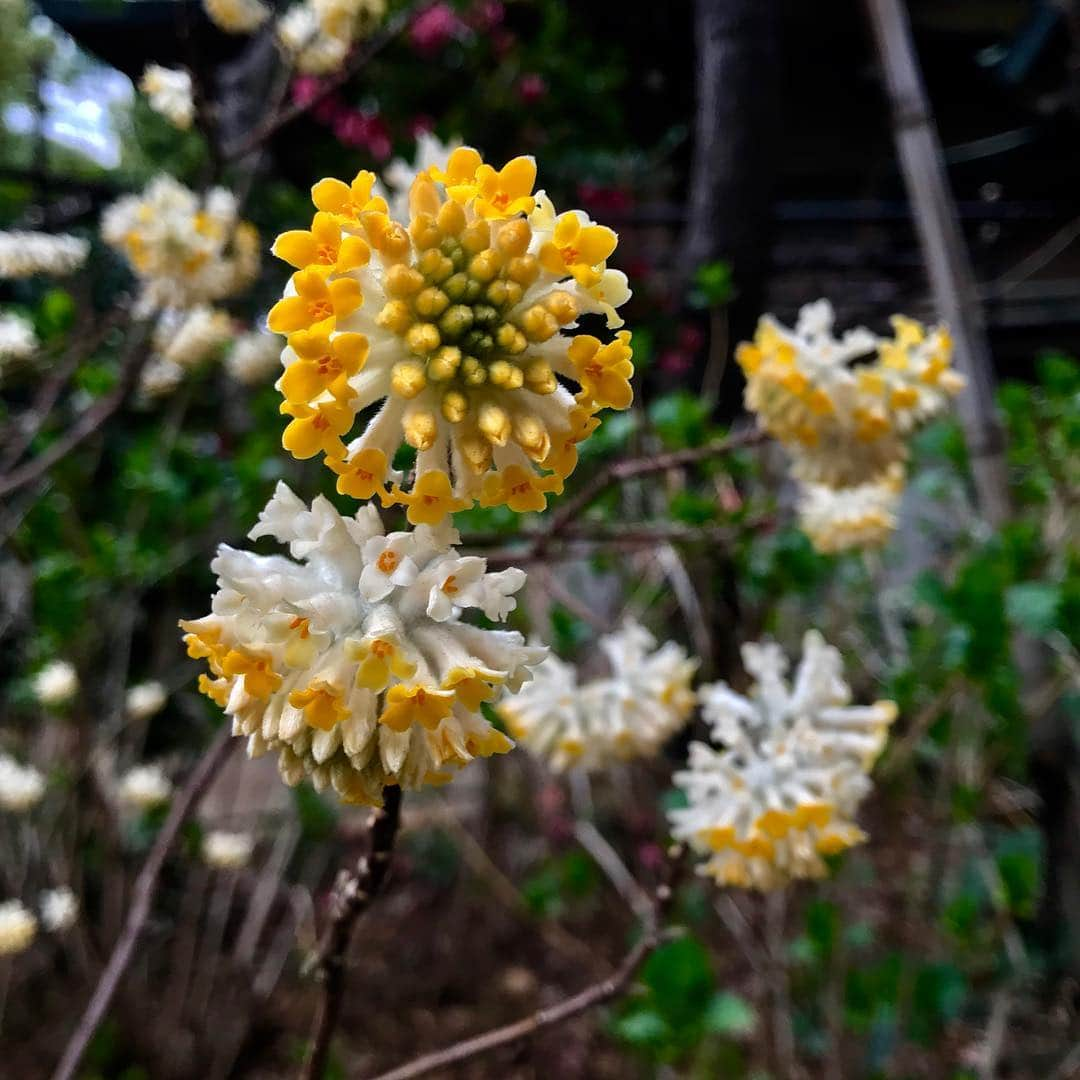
(59, 909)
(253, 358)
(56, 683)
(183, 339)
(449, 335)
(18, 927)
(184, 248)
(145, 700)
(144, 787)
(784, 790)
(843, 422)
(630, 714)
(863, 516)
(318, 34)
(351, 660)
(228, 850)
(237, 16)
(21, 786)
(23, 254)
(17, 337)
(398, 176)
(169, 92)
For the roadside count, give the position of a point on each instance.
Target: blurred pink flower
(328, 110)
(651, 856)
(485, 15)
(433, 28)
(351, 129)
(675, 362)
(532, 88)
(305, 88)
(604, 197)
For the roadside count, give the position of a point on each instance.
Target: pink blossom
(651, 856)
(328, 110)
(433, 28)
(352, 128)
(532, 88)
(485, 15)
(675, 362)
(305, 89)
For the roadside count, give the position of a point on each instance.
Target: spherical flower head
(254, 358)
(21, 786)
(228, 850)
(18, 341)
(630, 714)
(145, 787)
(843, 519)
(24, 254)
(350, 660)
(59, 909)
(56, 683)
(145, 700)
(18, 928)
(237, 16)
(783, 791)
(844, 407)
(451, 334)
(169, 92)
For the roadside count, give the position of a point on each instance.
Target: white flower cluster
(863, 516)
(319, 34)
(630, 714)
(784, 790)
(17, 337)
(23, 254)
(254, 357)
(183, 339)
(237, 16)
(56, 683)
(59, 909)
(185, 249)
(18, 927)
(228, 850)
(350, 660)
(21, 786)
(145, 700)
(145, 787)
(169, 92)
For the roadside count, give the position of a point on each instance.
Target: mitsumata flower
(169, 92)
(21, 786)
(350, 660)
(630, 714)
(18, 928)
(863, 516)
(228, 850)
(237, 16)
(784, 790)
(23, 254)
(845, 422)
(184, 248)
(17, 337)
(318, 34)
(450, 334)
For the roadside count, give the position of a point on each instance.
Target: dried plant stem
(143, 898)
(352, 894)
(596, 994)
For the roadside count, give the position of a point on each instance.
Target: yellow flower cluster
(449, 333)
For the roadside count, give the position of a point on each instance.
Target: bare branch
(144, 892)
(352, 895)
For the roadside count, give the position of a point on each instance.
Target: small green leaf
(729, 1014)
(1033, 606)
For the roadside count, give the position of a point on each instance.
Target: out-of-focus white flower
(254, 357)
(228, 850)
(864, 516)
(17, 928)
(431, 153)
(23, 254)
(843, 407)
(145, 700)
(237, 16)
(356, 692)
(159, 378)
(59, 909)
(145, 787)
(17, 337)
(185, 249)
(784, 790)
(169, 91)
(631, 714)
(188, 338)
(318, 34)
(21, 786)
(56, 683)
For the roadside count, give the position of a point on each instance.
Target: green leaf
(680, 418)
(714, 285)
(681, 979)
(642, 1028)
(730, 1014)
(1033, 606)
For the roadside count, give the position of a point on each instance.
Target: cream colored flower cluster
(319, 34)
(351, 660)
(21, 786)
(794, 767)
(23, 254)
(183, 340)
(184, 249)
(237, 16)
(17, 338)
(629, 714)
(451, 334)
(19, 926)
(862, 516)
(169, 92)
(845, 408)
(254, 358)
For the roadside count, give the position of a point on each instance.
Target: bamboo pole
(952, 279)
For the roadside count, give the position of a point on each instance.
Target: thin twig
(352, 895)
(604, 990)
(359, 59)
(89, 422)
(143, 898)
